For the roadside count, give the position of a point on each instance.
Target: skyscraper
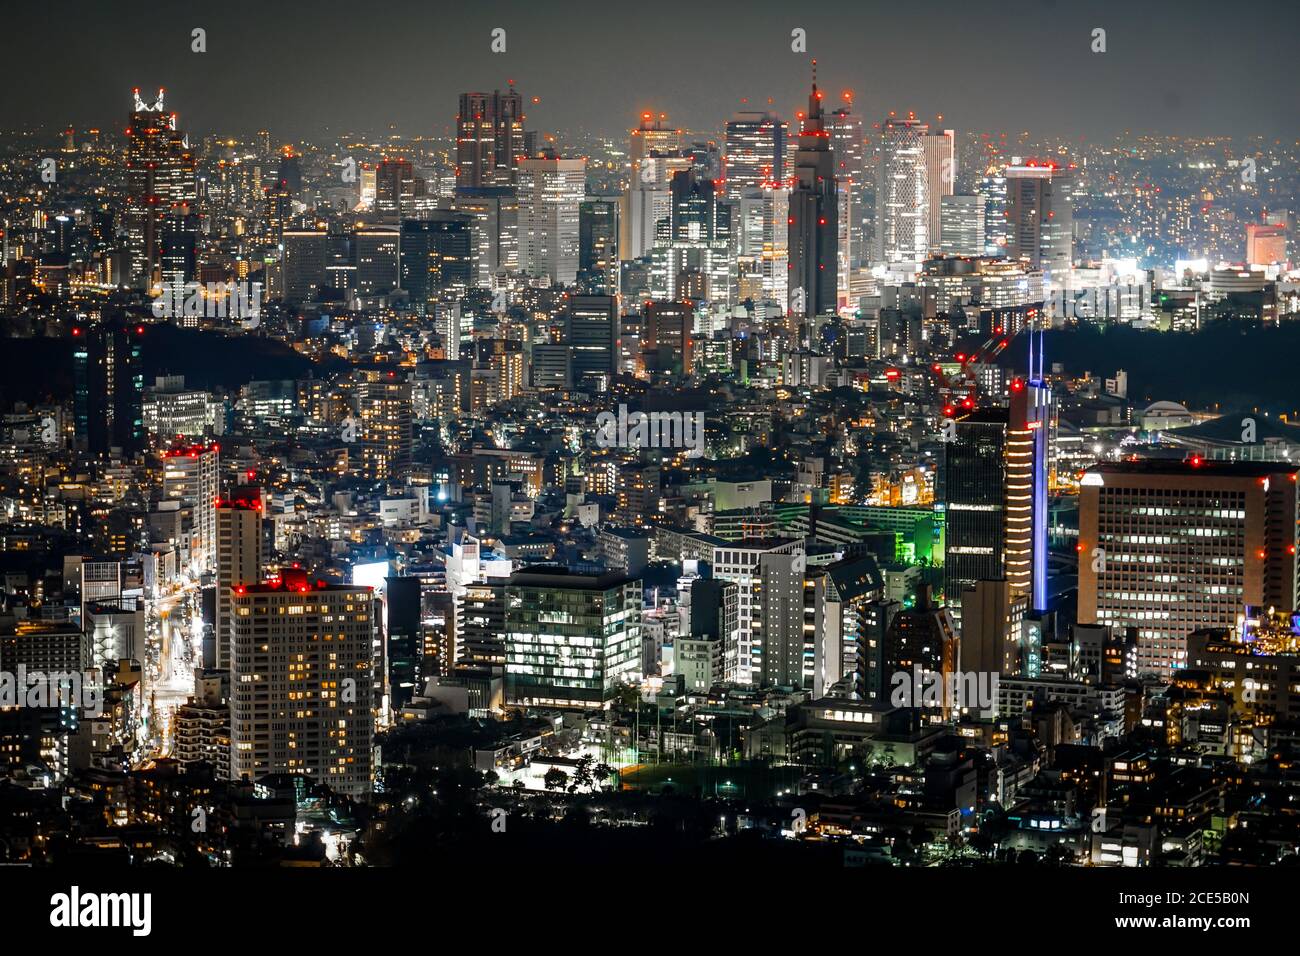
(1171, 546)
(940, 177)
(302, 679)
(437, 256)
(190, 475)
(384, 407)
(551, 191)
(591, 332)
(814, 218)
(1040, 216)
(598, 229)
(160, 182)
(108, 371)
(490, 139)
(902, 227)
(850, 171)
(239, 562)
(962, 226)
(754, 151)
(652, 138)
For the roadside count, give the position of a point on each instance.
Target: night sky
(1187, 67)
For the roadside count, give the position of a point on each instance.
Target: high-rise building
(490, 138)
(108, 372)
(783, 650)
(384, 407)
(848, 145)
(494, 215)
(570, 639)
(1171, 546)
(591, 332)
(754, 151)
(814, 218)
(239, 563)
(902, 226)
(741, 563)
(301, 682)
(437, 257)
(940, 178)
(975, 501)
(551, 191)
(961, 230)
(160, 182)
(396, 189)
(190, 475)
(598, 230)
(1040, 215)
(666, 337)
(652, 138)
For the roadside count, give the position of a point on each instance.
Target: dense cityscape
(827, 485)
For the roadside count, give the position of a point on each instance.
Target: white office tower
(741, 563)
(962, 226)
(941, 178)
(848, 145)
(1040, 216)
(754, 151)
(550, 194)
(302, 683)
(902, 228)
(646, 203)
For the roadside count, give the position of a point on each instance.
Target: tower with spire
(814, 217)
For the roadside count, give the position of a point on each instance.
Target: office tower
(940, 177)
(190, 475)
(384, 407)
(490, 139)
(160, 182)
(552, 366)
(571, 639)
(1265, 244)
(962, 225)
(1040, 216)
(652, 138)
(437, 257)
(1171, 546)
(902, 226)
(277, 207)
(598, 230)
(239, 563)
(666, 337)
(494, 213)
(848, 145)
(304, 260)
(814, 218)
(108, 372)
(301, 680)
(480, 624)
(375, 254)
(116, 634)
(740, 562)
(693, 257)
(550, 193)
(396, 189)
(782, 649)
(754, 151)
(178, 247)
(975, 501)
(591, 332)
